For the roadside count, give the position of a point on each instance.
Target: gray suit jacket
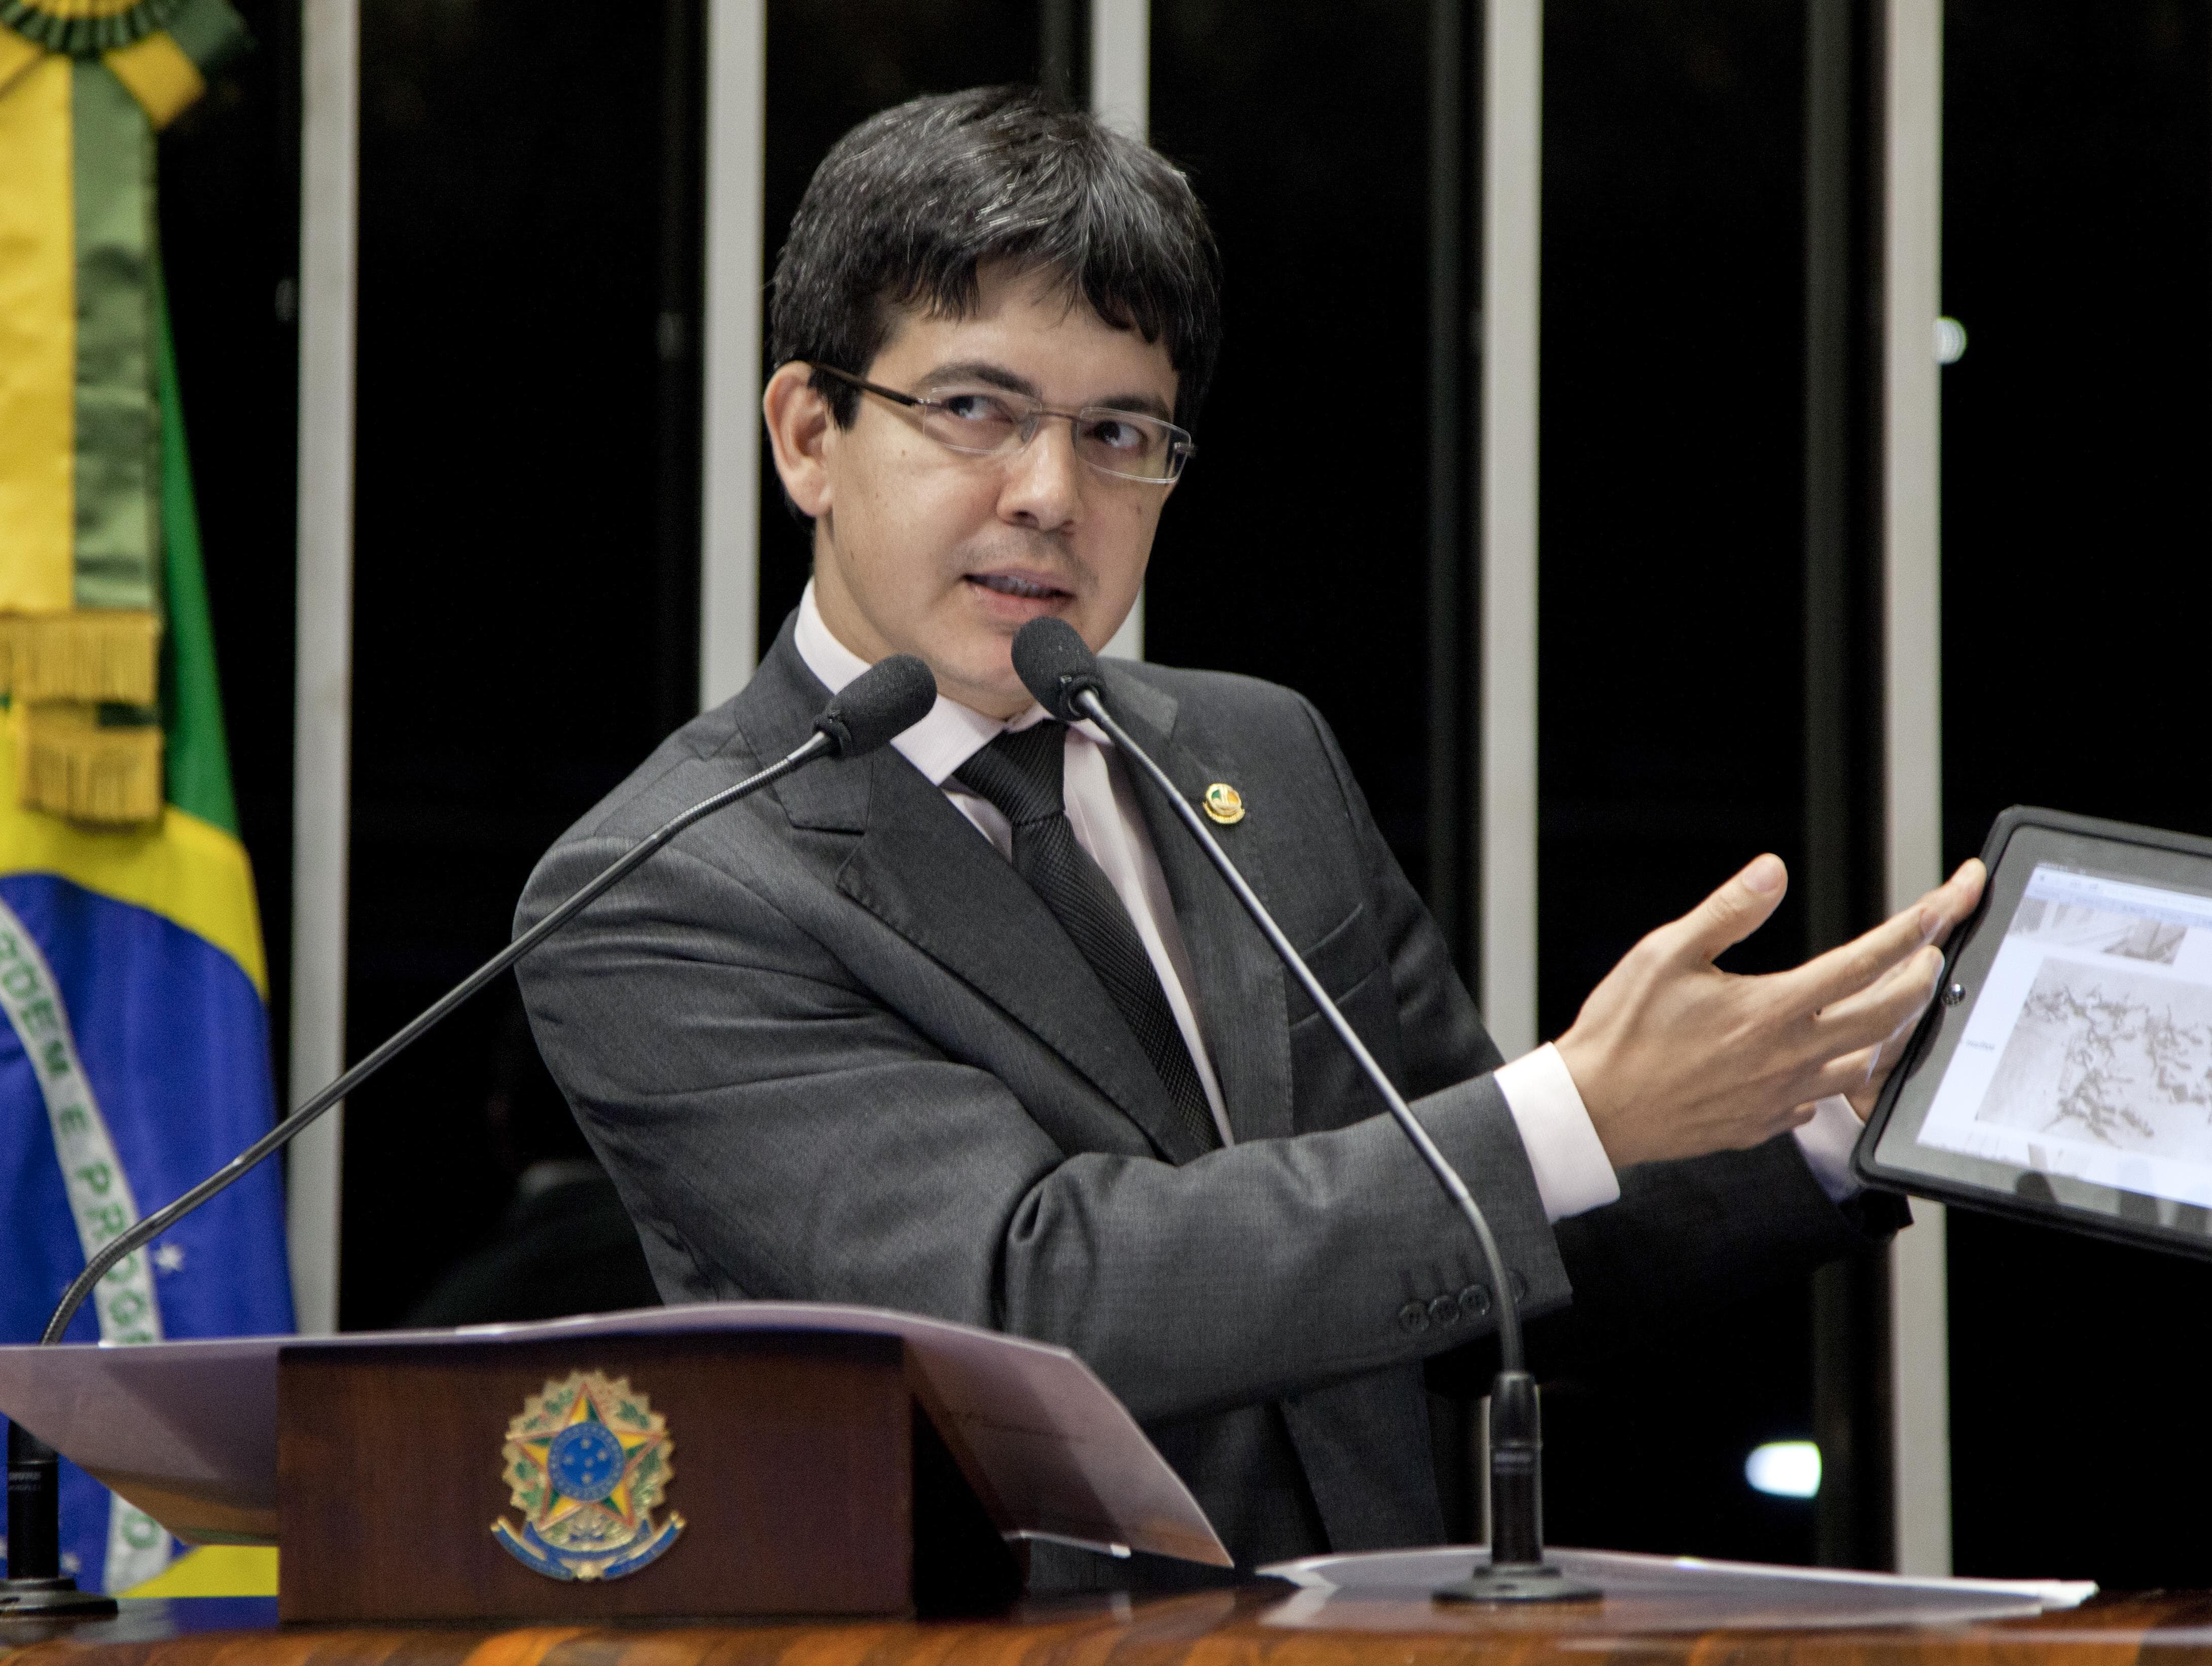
(832, 1048)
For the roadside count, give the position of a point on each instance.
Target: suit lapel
(920, 867)
(1239, 983)
(923, 869)
(774, 714)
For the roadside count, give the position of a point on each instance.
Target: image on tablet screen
(2088, 1053)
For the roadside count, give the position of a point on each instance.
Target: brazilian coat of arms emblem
(587, 1462)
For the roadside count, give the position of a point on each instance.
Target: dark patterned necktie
(1022, 775)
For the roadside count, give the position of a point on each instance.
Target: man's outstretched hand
(1674, 1057)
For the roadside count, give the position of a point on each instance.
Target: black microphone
(1057, 666)
(875, 707)
(886, 699)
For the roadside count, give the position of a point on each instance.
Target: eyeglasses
(988, 422)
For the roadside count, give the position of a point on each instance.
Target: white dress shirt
(1573, 1173)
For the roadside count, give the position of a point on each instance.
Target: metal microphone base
(1517, 1571)
(1517, 1582)
(53, 1599)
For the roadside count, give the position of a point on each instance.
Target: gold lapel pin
(1224, 804)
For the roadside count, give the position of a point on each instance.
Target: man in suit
(968, 1028)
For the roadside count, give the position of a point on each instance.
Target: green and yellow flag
(134, 1057)
(84, 86)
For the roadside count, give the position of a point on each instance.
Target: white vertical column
(1913, 845)
(323, 689)
(1121, 95)
(1121, 64)
(1512, 204)
(736, 129)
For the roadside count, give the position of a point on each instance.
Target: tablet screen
(2069, 1070)
(2089, 1051)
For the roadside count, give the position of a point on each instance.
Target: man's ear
(799, 424)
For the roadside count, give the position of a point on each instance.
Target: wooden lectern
(724, 1461)
(811, 1478)
(744, 1461)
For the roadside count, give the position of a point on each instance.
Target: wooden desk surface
(1257, 1626)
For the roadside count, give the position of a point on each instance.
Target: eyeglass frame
(1181, 446)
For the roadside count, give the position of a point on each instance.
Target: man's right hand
(1674, 1057)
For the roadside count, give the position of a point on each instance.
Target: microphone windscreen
(883, 701)
(1056, 664)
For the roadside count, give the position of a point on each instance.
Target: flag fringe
(71, 765)
(97, 654)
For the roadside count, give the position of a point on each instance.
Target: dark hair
(908, 205)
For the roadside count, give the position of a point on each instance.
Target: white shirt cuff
(1573, 1173)
(1826, 1141)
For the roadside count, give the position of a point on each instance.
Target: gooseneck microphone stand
(890, 696)
(1059, 669)
(36, 1588)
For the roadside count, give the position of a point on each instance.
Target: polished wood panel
(794, 1464)
(1257, 1625)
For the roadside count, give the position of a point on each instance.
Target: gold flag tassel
(106, 656)
(80, 762)
(84, 85)
(88, 745)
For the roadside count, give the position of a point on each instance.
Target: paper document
(1665, 1593)
(187, 1430)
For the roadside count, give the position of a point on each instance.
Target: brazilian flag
(134, 1059)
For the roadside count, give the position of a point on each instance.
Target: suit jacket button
(1444, 1310)
(1413, 1318)
(1520, 1284)
(1474, 1301)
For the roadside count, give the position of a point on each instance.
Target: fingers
(1862, 961)
(1882, 1057)
(1861, 1038)
(1955, 898)
(1846, 971)
(1906, 969)
(1893, 1044)
(1873, 1015)
(1950, 903)
(1673, 1059)
(1731, 913)
(1864, 1072)
(1857, 1076)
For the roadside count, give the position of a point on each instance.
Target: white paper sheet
(187, 1430)
(1665, 1593)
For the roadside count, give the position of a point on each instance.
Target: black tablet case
(2043, 1212)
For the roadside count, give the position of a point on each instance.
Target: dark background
(2078, 254)
(1671, 733)
(1304, 126)
(525, 567)
(514, 657)
(230, 235)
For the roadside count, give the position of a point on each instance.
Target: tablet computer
(2063, 1073)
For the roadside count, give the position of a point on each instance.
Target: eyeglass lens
(985, 422)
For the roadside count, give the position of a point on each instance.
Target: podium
(724, 1461)
(756, 1461)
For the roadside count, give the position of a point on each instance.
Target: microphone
(875, 708)
(886, 699)
(1058, 668)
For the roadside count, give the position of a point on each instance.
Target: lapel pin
(1224, 804)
